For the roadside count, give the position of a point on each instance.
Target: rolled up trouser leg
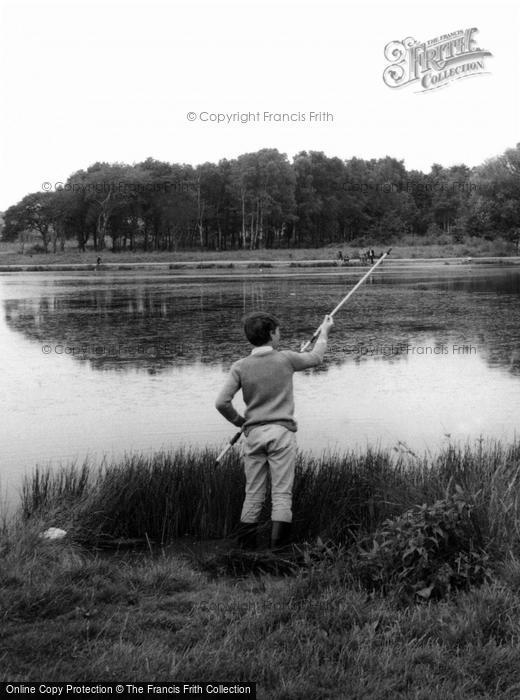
(281, 451)
(255, 469)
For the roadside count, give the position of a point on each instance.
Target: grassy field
(405, 582)
(405, 248)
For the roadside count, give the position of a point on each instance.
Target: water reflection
(154, 324)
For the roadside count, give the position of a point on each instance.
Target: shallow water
(101, 363)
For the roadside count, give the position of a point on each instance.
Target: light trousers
(269, 447)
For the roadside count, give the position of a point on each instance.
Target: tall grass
(68, 612)
(337, 496)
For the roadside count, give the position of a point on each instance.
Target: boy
(265, 377)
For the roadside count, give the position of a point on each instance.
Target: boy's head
(258, 327)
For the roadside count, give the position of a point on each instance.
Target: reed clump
(338, 497)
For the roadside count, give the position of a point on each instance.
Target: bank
(242, 266)
(74, 612)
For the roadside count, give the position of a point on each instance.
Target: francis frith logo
(436, 62)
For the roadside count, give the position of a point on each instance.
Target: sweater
(265, 377)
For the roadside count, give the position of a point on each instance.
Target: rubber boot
(280, 535)
(246, 536)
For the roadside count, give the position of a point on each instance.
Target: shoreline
(239, 265)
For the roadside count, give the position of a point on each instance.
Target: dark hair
(258, 326)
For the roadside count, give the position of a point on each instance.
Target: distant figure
(362, 257)
(98, 262)
(342, 258)
(371, 255)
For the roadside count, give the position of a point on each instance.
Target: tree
(495, 201)
(263, 184)
(34, 213)
(107, 189)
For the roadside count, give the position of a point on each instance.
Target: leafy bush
(426, 552)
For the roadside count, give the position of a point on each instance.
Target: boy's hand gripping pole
(304, 347)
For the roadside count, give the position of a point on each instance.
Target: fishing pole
(346, 298)
(304, 346)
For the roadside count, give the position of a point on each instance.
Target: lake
(99, 363)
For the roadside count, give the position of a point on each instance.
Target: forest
(263, 200)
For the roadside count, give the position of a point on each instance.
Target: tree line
(263, 200)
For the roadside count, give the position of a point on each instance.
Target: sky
(114, 80)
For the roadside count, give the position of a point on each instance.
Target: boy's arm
(312, 358)
(224, 405)
(304, 360)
